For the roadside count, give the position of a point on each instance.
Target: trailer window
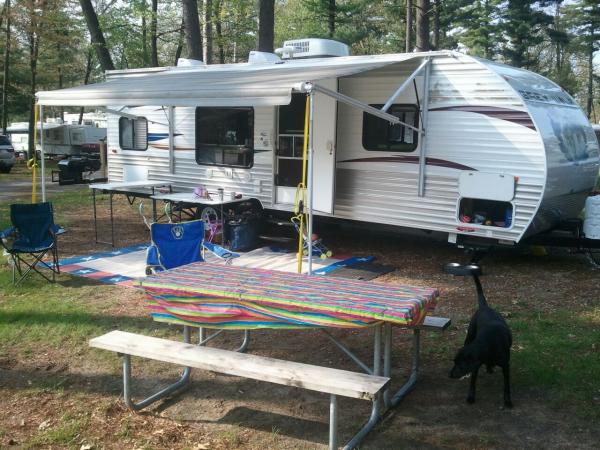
(133, 133)
(380, 135)
(225, 136)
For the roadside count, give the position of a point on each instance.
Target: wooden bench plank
(316, 378)
(435, 323)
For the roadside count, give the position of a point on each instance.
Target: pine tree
(524, 24)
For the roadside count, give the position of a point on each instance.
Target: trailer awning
(217, 85)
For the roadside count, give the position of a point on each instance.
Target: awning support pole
(403, 86)
(42, 152)
(171, 140)
(424, 124)
(309, 87)
(310, 174)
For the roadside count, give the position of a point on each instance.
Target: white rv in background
(483, 150)
(66, 137)
(69, 140)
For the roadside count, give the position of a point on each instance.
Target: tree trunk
(6, 68)
(61, 109)
(193, 37)
(145, 58)
(97, 36)
(153, 34)
(558, 49)
(180, 40)
(590, 80)
(86, 80)
(436, 24)
(208, 41)
(331, 12)
(266, 25)
(409, 25)
(4, 9)
(422, 26)
(219, 31)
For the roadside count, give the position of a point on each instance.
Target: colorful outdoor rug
(120, 266)
(123, 266)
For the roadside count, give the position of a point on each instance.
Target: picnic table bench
(225, 297)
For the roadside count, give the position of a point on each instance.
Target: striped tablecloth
(216, 296)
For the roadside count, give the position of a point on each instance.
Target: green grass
(66, 432)
(557, 353)
(61, 201)
(66, 313)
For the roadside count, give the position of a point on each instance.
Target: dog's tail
(480, 295)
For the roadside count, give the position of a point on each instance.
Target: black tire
(5, 169)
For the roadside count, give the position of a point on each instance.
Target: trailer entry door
(290, 141)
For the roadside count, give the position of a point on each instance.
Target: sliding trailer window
(225, 136)
(133, 133)
(380, 135)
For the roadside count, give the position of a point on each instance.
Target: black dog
(488, 342)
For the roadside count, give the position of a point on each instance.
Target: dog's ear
(459, 355)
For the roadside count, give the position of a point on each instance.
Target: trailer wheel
(208, 214)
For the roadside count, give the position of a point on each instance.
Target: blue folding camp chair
(175, 244)
(31, 237)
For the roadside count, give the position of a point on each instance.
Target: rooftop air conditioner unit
(313, 48)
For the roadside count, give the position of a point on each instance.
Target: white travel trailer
(69, 140)
(436, 141)
(59, 138)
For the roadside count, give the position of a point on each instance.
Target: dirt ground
(223, 412)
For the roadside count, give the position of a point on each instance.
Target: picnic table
(216, 296)
(228, 297)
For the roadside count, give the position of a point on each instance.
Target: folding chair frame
(23, 267)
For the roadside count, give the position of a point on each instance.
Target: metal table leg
(153, 207)
(95, 215)
(182, 382)
(414, 373)
(112, 222)
(241, 349)
(333, 438)
(387, 361)
(375, 409)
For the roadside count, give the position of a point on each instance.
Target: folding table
(131, 190)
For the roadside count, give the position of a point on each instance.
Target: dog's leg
(471, 395)
(506, 373)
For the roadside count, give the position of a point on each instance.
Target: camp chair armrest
(219, 251)
(57, 230)
(7, 232)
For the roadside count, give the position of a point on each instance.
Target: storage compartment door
(487, 186)
(324, 118)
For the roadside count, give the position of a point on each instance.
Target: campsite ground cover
(55, 392)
